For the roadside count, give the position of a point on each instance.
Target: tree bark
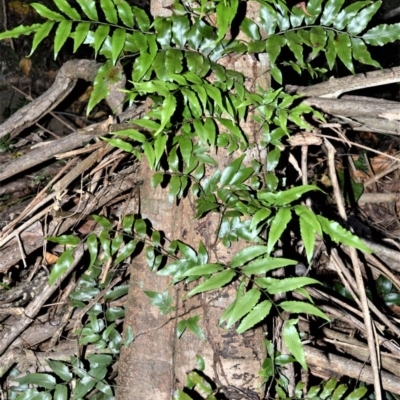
(156, 363)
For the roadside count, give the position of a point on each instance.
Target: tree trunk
(156, 363)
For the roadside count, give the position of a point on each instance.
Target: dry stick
(37, 202)
(358, 275)
(35, 306)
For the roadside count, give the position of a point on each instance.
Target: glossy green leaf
(308, 235)
(100, 35)
(167, 110)
(382, 34)
(303, 308)
(293, 194)
(273, 46)
(278, 226)
(331, 10)
(41, 379)
(360, 21)
(60, 369)
(215, 282)
(180, 29)
(20, 30)
(330, 52)
(192, 323)
(250, 29)
(142, 18)
(173, 61)
(89, 8)
(361, 53)
(229, 172)
(265, 264)
(60, 392)
(255, 316)
(289, 284)
(273, 158)
(293, 342)
(341, 235)
(109, 11)
(124, 12)
(205, 269)
(260, 216)
(314, 8)
(243, 306)
(80, 34)
(141, 66)
(295, 45)
(318, 40)
(126, 252)
(247, 254)
(41, 33)
(63, 263)
(348, 13)
(357, 394)
(268, 18)
(107, 76)
(66, 8)
(117, 43)
(226, 12)
(343, 49)
(44, 12)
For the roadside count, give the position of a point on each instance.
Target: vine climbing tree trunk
(156, 363)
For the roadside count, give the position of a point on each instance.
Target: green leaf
(107, 76)
(314, 9)
(361, 20)
(100, 35)
(65, 7)
(40, 34)
(40, 379)
(307, 233)
(247, 254)
(330, 53)
(243, 306)
(295, 45)
(192, 323)
(141, 18)
(293, 342)
(159, 147)
(20, 30)
(215, 282)
(126, 251)
(268, 18)
(265, 264)
(117, 43)
(229, 172)
(318, 40)
(343, 49)
(361, 53)
(63, 263)
(273, 158)
(301, 307)
(167, 110)
(89, 8)
(161, 300)
(273, 46)
(250, 29)
(205, 269)
(357, 394)
(278, 226)
(65, 240)
(289, 284)
(44, 12)
(255, 316)
(331, 9)
(340, 235)
(382, 34)
(60, 392)
(226, 12)
(60, 369)
(80, 34)
(109, 11)
(124, 12)
(180, 29)
(348, 13)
